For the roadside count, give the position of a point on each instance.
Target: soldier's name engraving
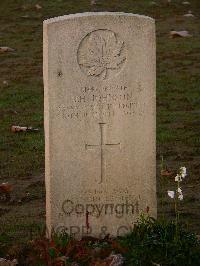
(111, 100)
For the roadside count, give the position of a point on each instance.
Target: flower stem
(162, 199)
(177, 210)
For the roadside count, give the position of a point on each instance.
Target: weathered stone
(99, 79)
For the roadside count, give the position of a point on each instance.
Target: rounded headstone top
(91, 14)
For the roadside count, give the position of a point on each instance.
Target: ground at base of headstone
(151, 242)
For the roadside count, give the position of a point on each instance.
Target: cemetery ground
(21, 88)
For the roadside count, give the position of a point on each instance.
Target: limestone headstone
(99, 79)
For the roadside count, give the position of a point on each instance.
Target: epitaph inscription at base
(99, 79)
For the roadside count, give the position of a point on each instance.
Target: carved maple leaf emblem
(103, 53)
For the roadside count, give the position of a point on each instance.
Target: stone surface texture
(99, 81)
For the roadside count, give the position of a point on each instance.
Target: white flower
(171, 194)
(178, 178)
(180, 193)
(179, 190)
(180, 197)
(183, 172)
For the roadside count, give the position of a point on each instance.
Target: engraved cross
(102, 147)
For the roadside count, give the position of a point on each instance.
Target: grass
(178, 101)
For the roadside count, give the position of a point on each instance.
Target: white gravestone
(99, 79)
